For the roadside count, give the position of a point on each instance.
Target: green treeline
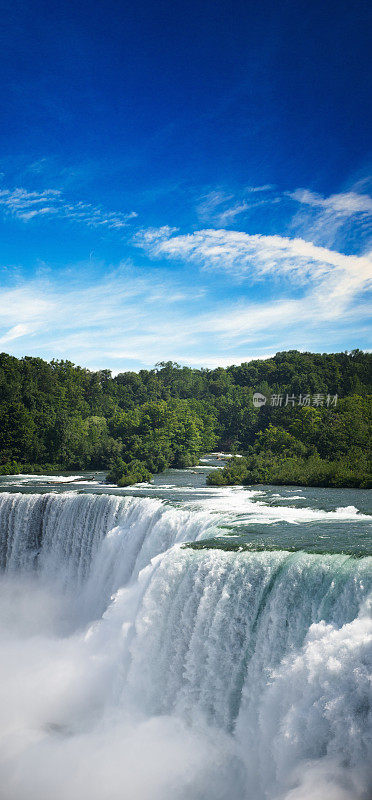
(59, 416)
(307, 447)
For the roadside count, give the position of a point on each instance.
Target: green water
(249, 518)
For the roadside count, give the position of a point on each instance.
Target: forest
(57, 416)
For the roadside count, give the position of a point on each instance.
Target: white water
(133, 668)
(90, 545)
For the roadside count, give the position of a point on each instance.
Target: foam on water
(190, 674)
(236, 504)
(234, 501)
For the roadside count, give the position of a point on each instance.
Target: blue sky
(185, 181)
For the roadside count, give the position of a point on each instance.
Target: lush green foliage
(56, 415)
(160, 434)
(311, 447)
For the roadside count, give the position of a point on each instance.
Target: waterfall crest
(90, 544)
(272, 649)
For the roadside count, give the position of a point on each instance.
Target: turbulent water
(134, 666)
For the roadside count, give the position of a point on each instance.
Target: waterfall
(270, 649)
(213, 625)
(90, 544)
(274, 648)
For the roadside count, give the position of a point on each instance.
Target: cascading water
(90, 544)
(249, 671)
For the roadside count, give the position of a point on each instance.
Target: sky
(184, 181)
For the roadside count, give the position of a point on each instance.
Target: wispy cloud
(326, 221)
(121, 315)
(28, 205)
(127, 318)
(334, 220)
(221, 208)
(99, 316)
(257, 256)
(346, 203)
(329, 286)
(15, 333)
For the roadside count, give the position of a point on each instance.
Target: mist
(134, 668)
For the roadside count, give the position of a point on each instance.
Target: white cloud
(27, 205)
(347, 203)
(125, 318)
(221, 209)
(15, 333)
(324, 218)
(334, 220)
(259, 256)
(327, 284)
(31, 302)
(129, 317)
(122, 315)
(150, 236)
